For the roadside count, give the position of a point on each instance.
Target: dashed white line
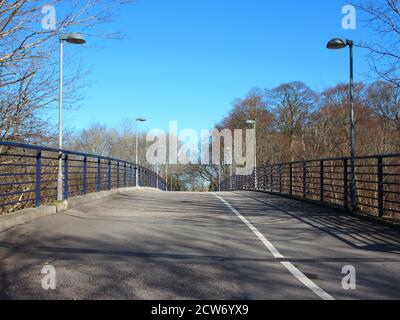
(277, 255)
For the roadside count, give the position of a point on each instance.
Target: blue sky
(188, 60)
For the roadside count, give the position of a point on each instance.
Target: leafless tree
(292, 103)
(28, 60)
(383, 19)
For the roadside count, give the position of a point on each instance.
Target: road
(243, 245)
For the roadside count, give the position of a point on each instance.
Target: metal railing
(328, 181)
(28, 175)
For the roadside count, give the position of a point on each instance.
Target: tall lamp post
(254, 124)
(137, 149)
(72, 38)
(337, 43)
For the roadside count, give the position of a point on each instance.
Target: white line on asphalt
(277, 255)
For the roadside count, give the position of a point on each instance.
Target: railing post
(150, 178)
(381, 188)
(84, 175)
(265, 177)
(291, 179)
(345, 183)
(305, 179)
(280, 179)
(38, 177)
(136, 175)
(109, 175)
(66, 178)
(124, 175)
(98, 175)
(130, 175)
(272, 178)
(321, 179)
(258, 171)
(118, 175)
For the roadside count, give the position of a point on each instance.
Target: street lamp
(254, 124)
(72, 38)
(337, 43)
(137, 149)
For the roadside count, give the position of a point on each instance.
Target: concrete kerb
(27, 215)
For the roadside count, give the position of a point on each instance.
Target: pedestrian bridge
(152, 244)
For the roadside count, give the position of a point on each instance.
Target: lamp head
(73, 38)
(338, 43)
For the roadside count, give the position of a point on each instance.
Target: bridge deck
(153, 245)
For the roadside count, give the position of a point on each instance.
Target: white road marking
(277, 255)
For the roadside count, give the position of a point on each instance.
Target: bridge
(271, 235)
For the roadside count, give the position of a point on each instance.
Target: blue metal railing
(328, 181)
(28, 175)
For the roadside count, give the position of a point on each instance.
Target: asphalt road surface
(243, 245)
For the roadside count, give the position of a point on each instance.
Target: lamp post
(337, 43)
(254, 124)
(72, 38)
(137, 149)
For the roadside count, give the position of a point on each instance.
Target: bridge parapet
(377, 180)
(29, 175)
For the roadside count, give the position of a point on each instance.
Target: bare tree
(384, 99)
(28, 60)
(383, 18)
(292, 103)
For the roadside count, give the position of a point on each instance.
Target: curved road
(244, 245)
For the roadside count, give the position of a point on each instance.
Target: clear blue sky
(187, 60)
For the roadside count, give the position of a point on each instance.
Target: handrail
(31, 179)
(328, 180)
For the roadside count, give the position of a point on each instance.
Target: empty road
(243, 245)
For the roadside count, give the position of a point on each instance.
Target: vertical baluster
(291, 178)
(38, 178)
(321, 179)
(271, 178)
(130, 175)
(98, 175)
(305, 179)
(84, 175)
(109, 175)
(124, 175)
(345, 183)
(381, 188)
(118, 175)
(66, 178)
